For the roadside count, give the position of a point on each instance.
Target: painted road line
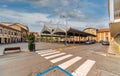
(55, 67)
(48, 57)
(84, 68)
(43, 52)
(66, 64)
(61, 58)
(100, 53)
(50, 53)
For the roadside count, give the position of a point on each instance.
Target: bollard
(119, 49)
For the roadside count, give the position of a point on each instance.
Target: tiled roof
(2, 25)
(103, 30)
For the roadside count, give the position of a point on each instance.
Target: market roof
(77, 32)
(47, 29)
(62, 31)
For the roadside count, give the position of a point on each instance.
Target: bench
(12, 48)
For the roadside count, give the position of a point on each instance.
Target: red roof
(103, 30)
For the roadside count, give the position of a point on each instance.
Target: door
(0, 40)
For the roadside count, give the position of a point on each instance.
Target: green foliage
(31, 41)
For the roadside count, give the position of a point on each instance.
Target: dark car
(105, 43)
(101, 41)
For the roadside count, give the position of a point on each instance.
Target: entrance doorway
(0, 40)
(5, 40)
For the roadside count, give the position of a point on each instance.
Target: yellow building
(91, 30)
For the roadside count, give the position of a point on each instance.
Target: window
(0, 31)
(5, 31)
(15, 33)
(8, 32)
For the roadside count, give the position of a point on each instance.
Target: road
(79, 60)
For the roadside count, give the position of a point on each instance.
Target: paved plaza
(53, 59)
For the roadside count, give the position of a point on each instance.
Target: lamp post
(65, 40)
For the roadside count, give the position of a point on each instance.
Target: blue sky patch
(35, 13)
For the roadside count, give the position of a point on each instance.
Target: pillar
(73, 38)
(79, 38)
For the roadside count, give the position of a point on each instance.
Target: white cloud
(51, 3)
(44, 2)
(30, 19)
(23, 16)
(70, 14)
(102, 23)
(35, 19)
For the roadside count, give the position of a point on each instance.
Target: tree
(31, 41)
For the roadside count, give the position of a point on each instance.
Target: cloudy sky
(67, 13)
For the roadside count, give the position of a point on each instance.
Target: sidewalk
(105, 73)
(10, 55)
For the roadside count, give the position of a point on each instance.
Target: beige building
(114, 15)
(9, 35)
(91, 30)
(12, 32)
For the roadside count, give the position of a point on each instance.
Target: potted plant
(31, 41)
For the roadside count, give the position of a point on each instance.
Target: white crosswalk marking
(69, 63)
(48, 57)
(43, 52)
(50, 53)
(84, 68)
(61, 58)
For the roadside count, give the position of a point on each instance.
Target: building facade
(24, 30)
(103, 34)
(114, 15)
(12, 33)
(114, 10)
(91, 30)
(9, 35)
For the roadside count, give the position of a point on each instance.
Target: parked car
(101, 41)
(90, 42)
(105, 43)
(93, 41)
